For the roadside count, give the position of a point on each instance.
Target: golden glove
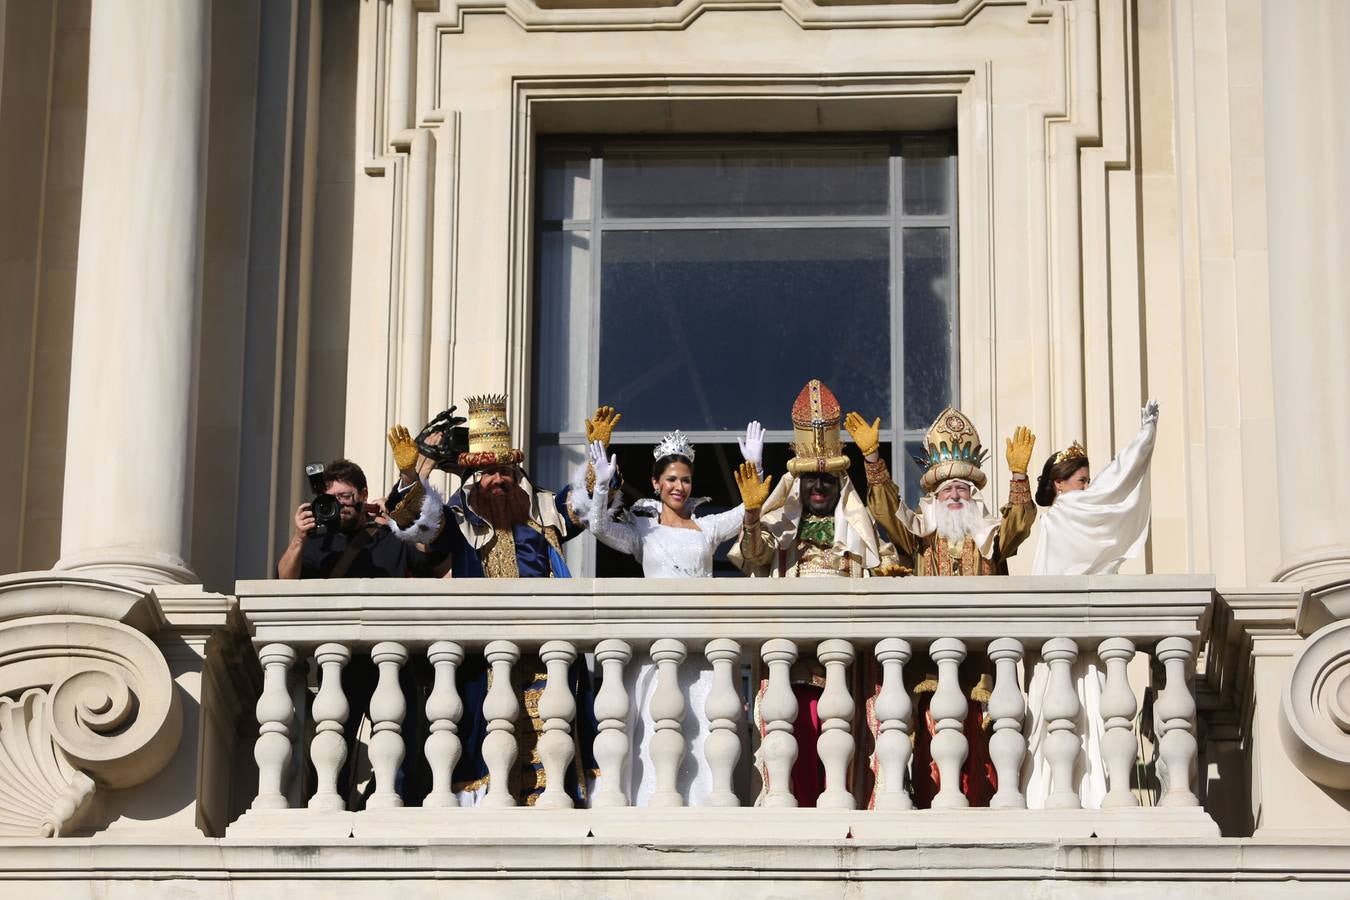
(867, 437)
(753, 491)
(405, 451)
(601, 426)
(1019, 449)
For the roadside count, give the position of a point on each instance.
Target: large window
(698, 284)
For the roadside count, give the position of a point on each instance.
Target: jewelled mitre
(489, 433)
(954, 451)
(815, 432)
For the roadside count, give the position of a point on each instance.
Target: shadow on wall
(277, 279)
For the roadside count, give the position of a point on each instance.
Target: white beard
(955, 525)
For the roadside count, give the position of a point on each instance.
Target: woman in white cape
(1089, 527)
(665, 536)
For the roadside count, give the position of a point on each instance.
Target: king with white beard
(951, 532)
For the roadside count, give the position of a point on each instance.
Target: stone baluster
(557, 709)
(443, 711)
(779, 710)
(668, 712)
(1118, 707)
(948, 707)
(723, 709)
(611, 710)
(275, 712)
(329, 748)
(500, 708)
(893, 710)
(387, 709)
(835, 744)
(1174, 711)
(1061, 716)
(1007, 709)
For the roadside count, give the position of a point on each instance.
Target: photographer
(358, 547)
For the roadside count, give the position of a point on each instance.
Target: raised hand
(752, 445)
(1019, 450)
(753, 491)
(405, 450)
(867, 437)
(601, 425)
(604, 466)
(1149, 414)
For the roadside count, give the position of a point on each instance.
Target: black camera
(325, 507)
(454, 440)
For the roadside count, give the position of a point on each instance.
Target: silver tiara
(675, 443)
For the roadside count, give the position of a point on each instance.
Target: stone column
(1306, 84)
(127, 503)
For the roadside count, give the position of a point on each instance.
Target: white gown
(666, 552)
(1088, 532)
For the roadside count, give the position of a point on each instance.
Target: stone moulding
(1315, 708)
(84, 703)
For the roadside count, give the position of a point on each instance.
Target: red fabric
(978, 779)
(808, 775)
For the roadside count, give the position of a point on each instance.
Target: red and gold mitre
(954, 451)
(815, 432)
(489, 434)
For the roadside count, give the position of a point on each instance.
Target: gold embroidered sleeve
(1018, 517)
(883, 502)
(757, 546)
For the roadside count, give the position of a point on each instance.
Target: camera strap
(358, 543)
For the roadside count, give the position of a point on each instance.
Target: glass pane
(564, 330)
(906, 472)
(565, 186)
(929, 339)
(709, 329)
(746, 182)
(926, 182)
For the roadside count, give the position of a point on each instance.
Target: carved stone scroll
(84, 703)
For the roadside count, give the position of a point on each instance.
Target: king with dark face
(820, 493)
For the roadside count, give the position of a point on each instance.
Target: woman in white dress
(1089, 527)
(670, 541)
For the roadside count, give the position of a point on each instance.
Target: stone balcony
(176, 738)
(742, 630)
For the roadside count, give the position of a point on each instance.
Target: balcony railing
(764, 625)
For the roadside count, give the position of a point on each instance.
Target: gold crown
(954, 451)
(1074, 451)
(489, 433)
(815, 431)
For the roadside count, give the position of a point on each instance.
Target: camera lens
(325, 507)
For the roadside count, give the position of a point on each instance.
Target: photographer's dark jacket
(378, 553)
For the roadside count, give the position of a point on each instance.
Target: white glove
(604, 467)
(752, 445)
(1149, 414)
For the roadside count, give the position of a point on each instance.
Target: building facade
(238, 237)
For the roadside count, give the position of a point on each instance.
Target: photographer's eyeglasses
(346, 497)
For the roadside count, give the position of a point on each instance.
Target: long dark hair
(1056, 471)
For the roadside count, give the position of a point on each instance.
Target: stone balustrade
(733, 628)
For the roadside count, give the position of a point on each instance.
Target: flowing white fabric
(1089, 769)
(1088, 532)
(663, 550)
(1093, 531)
(666, 552)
